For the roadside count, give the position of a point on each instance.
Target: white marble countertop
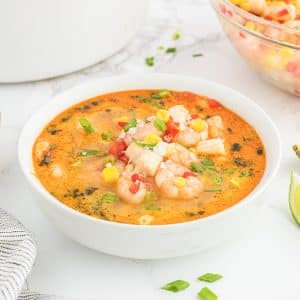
(263, 265)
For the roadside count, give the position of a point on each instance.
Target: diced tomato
(282, 12)
(229, 13)
(292, 67)
(167, 138)
(269, 18)
(287, 1)
(134, 187)
(135, 177)
(124, 158)
(213, 103)
(172, 127)
(117, 148)
(122, 124)
(242, 35)
(188, 174)
(195, 116)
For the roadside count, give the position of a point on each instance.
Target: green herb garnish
(132, 123)
(77, 163)
(260, 151)
(176, 286)
(86, 125)
(197, 55)
(144, 145)
(204, 165)
(236, 147)
(160, 125)
(149, 61)
(210, 277)
(89, 152)
(242, 162)
(207, 294)
(176, 36)
(109, 197)
(171, 50)
(107, 135)
(213, 190)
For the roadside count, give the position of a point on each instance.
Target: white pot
(42, 39)
(154, 241)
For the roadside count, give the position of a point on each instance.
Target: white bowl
(156, 241)
(42, 39)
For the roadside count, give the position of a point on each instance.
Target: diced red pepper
(212, 103)
(117, 148)
(188, 174)
(134, 187)
(122, 124)
(269, 18)
(229, 13)
(135, 177)
(242, 35)
(195, 116)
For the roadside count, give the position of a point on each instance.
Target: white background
(264, 265)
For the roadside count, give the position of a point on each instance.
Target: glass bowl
(271, 49)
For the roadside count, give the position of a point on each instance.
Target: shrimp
(181, 155)
(180, 115)
(189, 137)
(132, 192)
(212, 146)
(172, 184)
(215, 126)
(145, 160)
(140, 132)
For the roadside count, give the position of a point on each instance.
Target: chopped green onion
(176, 286)
(109, 197)
(77, 163)
(207, 294)
(149, 61)
(86, 125)
(89, 152)
(171, 50)
(132, 123)
(210, 277)
(176, 36)
(196, 167)
(160, 125)
(107, 135)
(218, 180)
(144, 145)
(207, 162)
(150, 200)
(109, 160)
(212, 190)
(197, 55)
(229, 171)
(164, 93)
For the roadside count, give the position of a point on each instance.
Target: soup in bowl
(150, 160)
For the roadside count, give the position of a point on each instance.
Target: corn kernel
(110, 174)
(235, 182)
(121, 119)
(250, 25)
(286, 52)
(180, 182)
(198, 125)
(152, 139)
(193, 149)
(236, 2)
(145, 220)
(162, 114)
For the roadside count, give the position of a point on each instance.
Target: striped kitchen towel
(17, 255)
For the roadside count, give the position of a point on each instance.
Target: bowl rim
(35, 183)
(257, 19)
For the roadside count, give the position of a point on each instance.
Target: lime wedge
(294, 197)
